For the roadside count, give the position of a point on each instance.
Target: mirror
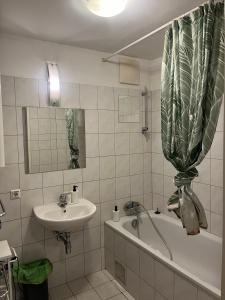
(54, 139)
(129, 109)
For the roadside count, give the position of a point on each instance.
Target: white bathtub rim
(210, 289)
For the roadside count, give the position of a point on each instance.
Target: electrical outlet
(15, 194)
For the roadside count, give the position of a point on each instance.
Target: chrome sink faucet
(63, 199)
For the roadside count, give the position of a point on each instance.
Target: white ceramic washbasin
(69, 218)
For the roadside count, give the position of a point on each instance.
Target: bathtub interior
(197, 270)
(200, 255)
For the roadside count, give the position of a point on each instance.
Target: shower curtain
(192, 86)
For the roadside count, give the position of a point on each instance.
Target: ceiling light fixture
(106, 8)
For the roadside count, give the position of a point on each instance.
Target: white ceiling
(69, 22)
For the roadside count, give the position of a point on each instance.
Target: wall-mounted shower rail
(106, 59)
(144, 94)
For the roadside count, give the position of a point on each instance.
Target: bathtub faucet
(132, 208)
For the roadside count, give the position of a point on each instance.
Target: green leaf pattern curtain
(192, 87)
(73, 137)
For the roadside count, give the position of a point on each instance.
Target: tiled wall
(147, 278)
(208, 186)
(118, 167)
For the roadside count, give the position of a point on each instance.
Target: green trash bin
(34, 278)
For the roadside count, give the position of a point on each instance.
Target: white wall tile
(9, 178)
(43, 93)
(136, 164)
(122, 143)
(29, 181)
(11, 149)
(52, 178)
(156, 143)
(92, 239)
(51, 194)
(12, 208)
(169, 187)
(106, 121)
(33, 252)
(75, 267)
(107, 190)
(54, 250)
(11, 231)
(72, 176)
(216, 200)
(216, 224)
(29, 199)
(92, 145)
(93, 261)
(203, 193)
(157, 163)
(91, 191)
(107, 167)
(106, 98)
(88, 96)
(77, 243)
(217, 146)
(157, 184)
(70, 95)
(204, 172)
(26, 92)
(8, 90)
(147, 183)
(156, 121)
(91, 121)
(92, 169)
(106, 211)
(122, 187)
(158, 202)
(106, 144)
(136, 185)
(136, 143)
(220, 124)
(32, 231)
(95, 221)
(122, 165)
(9, 120)
(58, 276)
(216, 172)
(156, 100)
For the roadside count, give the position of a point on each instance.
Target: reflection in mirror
(54, 139)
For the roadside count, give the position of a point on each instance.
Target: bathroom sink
(65, 219)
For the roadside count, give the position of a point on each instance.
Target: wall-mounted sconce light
(54, 84)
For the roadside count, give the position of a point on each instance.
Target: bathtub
(197, 259)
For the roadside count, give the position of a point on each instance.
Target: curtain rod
(106, 59)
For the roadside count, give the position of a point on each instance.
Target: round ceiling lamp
(106, 8)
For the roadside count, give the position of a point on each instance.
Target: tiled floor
(97, 286)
